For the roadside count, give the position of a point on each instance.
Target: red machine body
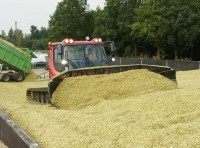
(67, 42)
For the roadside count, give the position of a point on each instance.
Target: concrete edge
(13, 136)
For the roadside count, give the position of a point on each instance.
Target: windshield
(80, 56)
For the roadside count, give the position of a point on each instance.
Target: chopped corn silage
(79, 92)
(31, 77)
(156, 119)
(2, 145)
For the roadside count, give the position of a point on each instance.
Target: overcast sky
(31, 12)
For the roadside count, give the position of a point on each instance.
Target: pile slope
(168, 118)
(79, 92)
(31, 76)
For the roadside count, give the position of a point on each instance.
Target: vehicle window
(80, 56)
(57, 59)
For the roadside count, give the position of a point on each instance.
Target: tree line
(140, 28)
(36, 40)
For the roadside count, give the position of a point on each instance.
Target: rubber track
(38, 94)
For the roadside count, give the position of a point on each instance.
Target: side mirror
(112, 46)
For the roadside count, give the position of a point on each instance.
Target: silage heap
(160, 119)
(80, 92)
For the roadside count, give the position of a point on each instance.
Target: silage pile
(31, 77)
(79, 92)
(166, 118)
(2, 145)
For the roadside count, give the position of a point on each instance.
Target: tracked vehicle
(71, 58)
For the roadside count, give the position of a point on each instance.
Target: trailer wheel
(19, 77)
(6, 77)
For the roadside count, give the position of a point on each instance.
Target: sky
(31, 12)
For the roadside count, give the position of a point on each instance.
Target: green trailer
(16, 62)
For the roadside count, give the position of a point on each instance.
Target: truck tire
(18, 77)
(6, 77)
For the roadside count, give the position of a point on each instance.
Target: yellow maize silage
(2, 145)
(31, 77)
(79, 92)
(189, 79)
(154, 119)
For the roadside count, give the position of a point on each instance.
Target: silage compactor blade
(44, 95)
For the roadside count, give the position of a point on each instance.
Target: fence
(177, 65)
(43, 76)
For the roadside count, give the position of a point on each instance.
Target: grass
(159, 118)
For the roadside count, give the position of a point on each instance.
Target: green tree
(27, 41)
(149, 26)
(100, 24)
(186, 25)
(18, 38)
(39, 44)
(114, 21)
(11, 33)
(174, 24)
(35, 33)
(196, 50)
(43, 33)
(3, 34)
(89, 25)
(68, 20)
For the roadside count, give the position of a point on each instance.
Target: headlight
(67, 41)
(64, 62)
(97, 40)
(113, 59)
